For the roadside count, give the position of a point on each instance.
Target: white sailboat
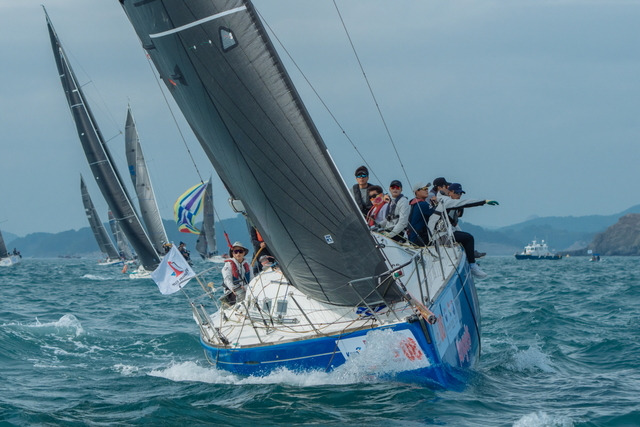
(7, 258)
(99, 232)
(339, 292)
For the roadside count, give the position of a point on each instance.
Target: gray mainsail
(100, 233)
(142, 183)
(121, 239)
(100, 160)
(206, 244)
(223, 71)
(3, 247)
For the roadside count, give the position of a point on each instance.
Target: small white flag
(173, 272)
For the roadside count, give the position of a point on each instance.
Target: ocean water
(83, 345)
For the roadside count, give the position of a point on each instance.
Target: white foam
(542, 419)
(531, 359)
(376, 358)
(363, 367)
(95, 277)
(66, 322)
(126, 370)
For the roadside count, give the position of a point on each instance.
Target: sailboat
(121, 240)
(206, 244)
(6, 258)
(99, 232)
(340, 293)
(100, 161)
(142, 183)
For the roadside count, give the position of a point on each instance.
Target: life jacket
(373, 212)
(364, 205)
(391, 213)
(237, 280)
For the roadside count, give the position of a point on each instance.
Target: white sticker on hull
(399, 350)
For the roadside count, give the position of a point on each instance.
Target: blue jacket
(418, 219)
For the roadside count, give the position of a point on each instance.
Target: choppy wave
(80, 344)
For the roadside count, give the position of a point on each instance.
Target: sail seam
(198, 22)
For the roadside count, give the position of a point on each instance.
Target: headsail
(223, 71)
(187, 206)
(121, 240)
(206, 244)
(100, 233)
(3, 247)
(142, 183)
(100, 160)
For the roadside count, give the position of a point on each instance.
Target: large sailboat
(100, 160)
(7, 258)
(99, 232)
(340, 293)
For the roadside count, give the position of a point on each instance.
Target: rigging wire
(184, 141)
(215, 211)
(372, 94)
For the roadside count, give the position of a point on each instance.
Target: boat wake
(368, 364)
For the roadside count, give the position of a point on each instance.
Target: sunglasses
(362, 175)
(238, 251)
(373, 196)
(423, 189)
(394, 187)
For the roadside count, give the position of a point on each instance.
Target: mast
(100, 160)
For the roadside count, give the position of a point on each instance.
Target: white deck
(275, 312)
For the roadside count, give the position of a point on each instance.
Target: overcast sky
(532, 103)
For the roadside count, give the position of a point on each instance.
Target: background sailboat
(206, 244)
(142, 183)
(124, 249)
(7, 259)
(100, 159)
(99, 232)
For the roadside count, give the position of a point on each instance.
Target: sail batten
(253, 126)
(100, 159)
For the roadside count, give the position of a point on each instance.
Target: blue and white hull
(9, 260)
(431, 343)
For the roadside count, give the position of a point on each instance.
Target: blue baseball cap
(456, 188)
